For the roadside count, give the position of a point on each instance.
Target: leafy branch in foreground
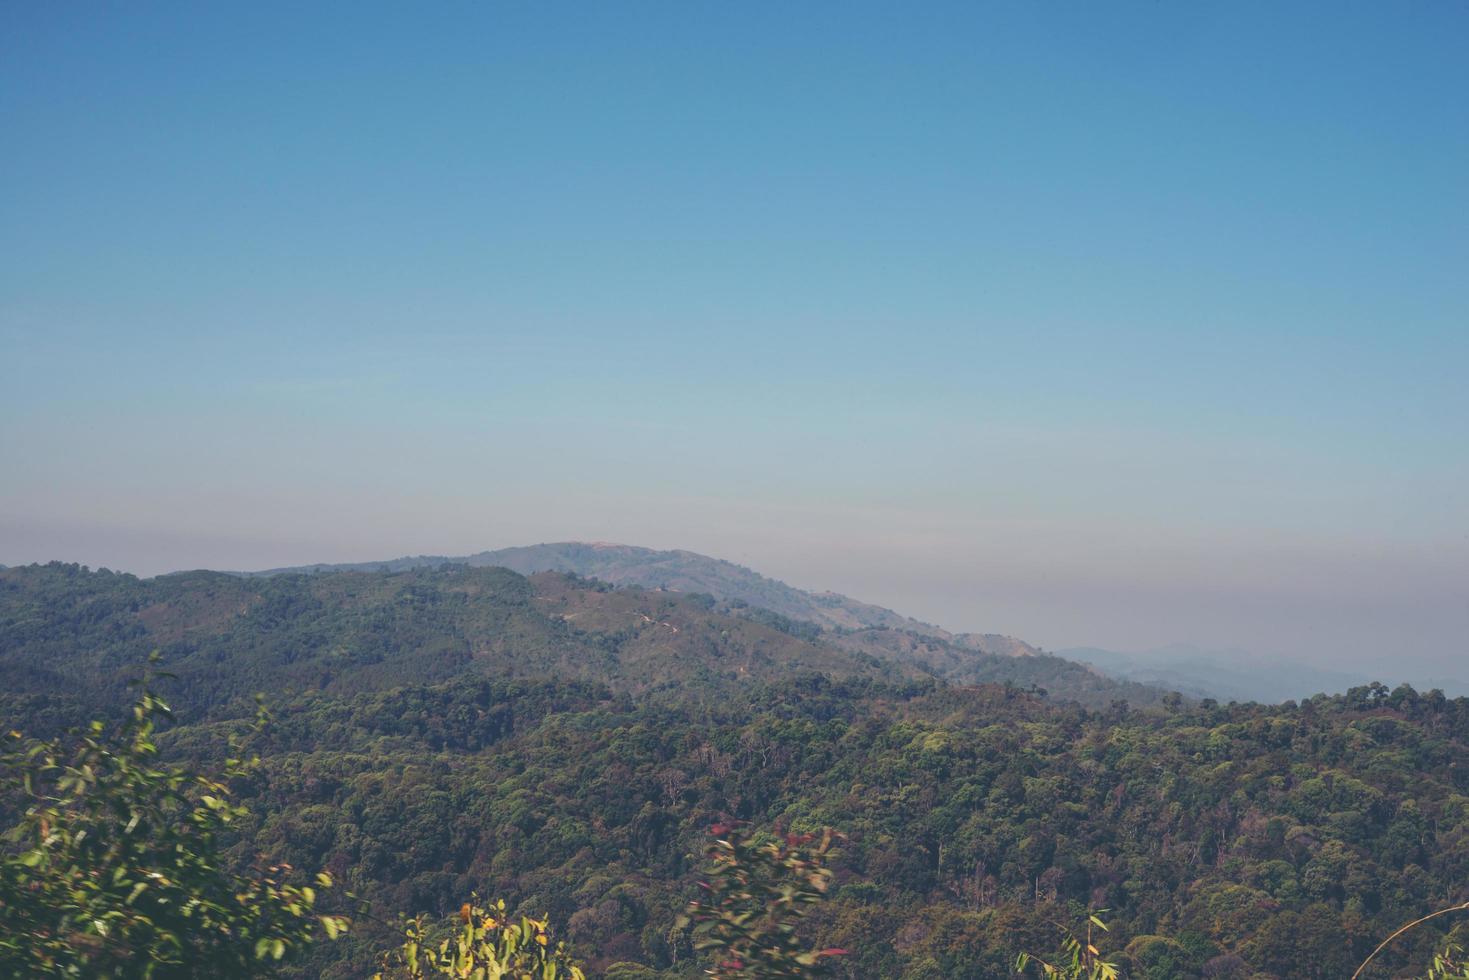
(489, 945)
(755, 896)
(1078, 958)
(115, 868)
(1448, 964)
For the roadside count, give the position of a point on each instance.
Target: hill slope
(687, 571)
(1274, 843)
(66, 629)
(566, 745)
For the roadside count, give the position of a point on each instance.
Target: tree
(1078, 958)
(115, 867)
(755, 897)
(489, 944)
(1447, 965)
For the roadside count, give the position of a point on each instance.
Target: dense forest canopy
(566, 746)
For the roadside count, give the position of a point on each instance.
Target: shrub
(488, 944)
(755, 897)
(115, 869)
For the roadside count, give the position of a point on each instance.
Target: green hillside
(63, 628)
(687, 571)
(1260, 841)
(567, 745)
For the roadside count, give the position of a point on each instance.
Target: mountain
(688, 571)
(1232, 675)
(64, 628)
(842, 621)
(566, 745)
(1063, 679)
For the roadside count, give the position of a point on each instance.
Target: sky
(1113, 324)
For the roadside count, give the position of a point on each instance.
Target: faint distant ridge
(1235, 675)
(688, 571)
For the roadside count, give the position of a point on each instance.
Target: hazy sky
(1095, 323)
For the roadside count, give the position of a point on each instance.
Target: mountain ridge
(64, 627)
(1237, 675)
(680, 570)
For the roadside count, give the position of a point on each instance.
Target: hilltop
(64, 628)
(688, 571)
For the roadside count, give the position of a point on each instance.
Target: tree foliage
(488, 944)
(115, 866)
(1077, 959)
(756, 894)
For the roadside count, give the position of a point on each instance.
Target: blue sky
(1110, 324)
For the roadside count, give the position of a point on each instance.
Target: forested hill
(567, 745)
(1241, 842)
(687, 571)
(66, 629)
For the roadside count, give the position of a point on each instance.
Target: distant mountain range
(687, 571)
(1091, 675)
(1233, 675)
(835, 620)
(863, 627)
(78, 635)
